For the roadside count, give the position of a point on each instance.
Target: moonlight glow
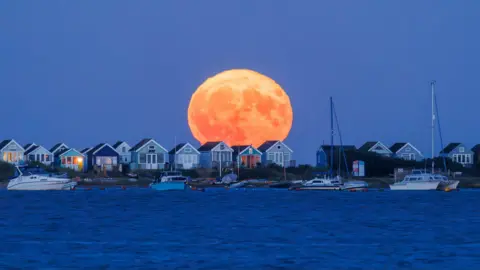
(240, 107)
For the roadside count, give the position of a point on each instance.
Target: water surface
(244, 229)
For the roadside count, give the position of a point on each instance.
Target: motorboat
(170, 181)
(355, 185)
(36, 178)
(444, 182)
(419, 181)
(317, 183)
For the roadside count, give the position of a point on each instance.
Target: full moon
(240, 107)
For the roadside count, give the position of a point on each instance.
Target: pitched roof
(176, 148)
(55, 147)
(208, 146)
(476, 148)
(139, 145)
(449, 148)
(5, 143)
(61, 151)
(68, 149)
(117, 144)
(266, 145)
(28, 145)
(239, 148)
(85, 150)
(33, 148)
(98, 146)
(397, 146)
(367, 146)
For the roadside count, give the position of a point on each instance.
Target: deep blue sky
(85, 72)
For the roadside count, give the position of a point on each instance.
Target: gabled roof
(269, 144)
(397, 146)
(180, 146)
(266, 145)
(56, 146)
(476, 148)
(367, 146)
(239, 148)
(85, 150)
(31, 149)
(336, 148)
(117, 144)
(35, 148)
(144, 142)
(4, 143)
(139, 145)
(449, 148)
(67, 150)
(28, 145)
(100, 146)
(177, 148)
(208, 146)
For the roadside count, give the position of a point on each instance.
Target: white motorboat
(39, 179)
(355, 185)
(170, 181)
(417, 181)
(325, 183)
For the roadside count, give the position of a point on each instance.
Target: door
(152, 162)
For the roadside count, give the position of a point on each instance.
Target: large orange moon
(240, 107)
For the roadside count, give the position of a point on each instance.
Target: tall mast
(175, 155)
(331, 137)
(432, 83)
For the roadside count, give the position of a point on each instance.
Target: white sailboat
(422, 180)
(329, 182)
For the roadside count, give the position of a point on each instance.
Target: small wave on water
(248, 229)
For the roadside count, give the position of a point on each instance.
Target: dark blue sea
(242, 229)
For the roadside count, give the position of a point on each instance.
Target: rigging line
(440, 132)
(341, 141)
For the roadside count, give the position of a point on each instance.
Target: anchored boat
(170, 181)
(35, 178)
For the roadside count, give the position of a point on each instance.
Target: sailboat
(330, 182)
(421, 179)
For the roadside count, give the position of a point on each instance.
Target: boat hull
(315, 188)
(450, 184)
(163, 186)
(415, 186)
(50, 185)
(355, 185)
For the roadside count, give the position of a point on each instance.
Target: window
(31, 157)
(142, 158)
(408, 149)
(467, 159)
(461, 149)
(47, 158)
(69, 160)
(279, 147)
(270, 156)
(160, 158)
(124, 149)
(187, 150)
(64, 161)
(151, 149)
(38, 157)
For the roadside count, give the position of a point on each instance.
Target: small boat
(325, 183)
(35, 178)
(170, 181)
(424, 181)
(355, 185)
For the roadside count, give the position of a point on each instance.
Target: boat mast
(174, 156)
(432, 83)
(331, 137)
